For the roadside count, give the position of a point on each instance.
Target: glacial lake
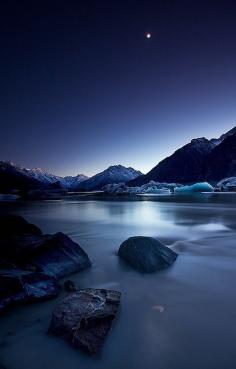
(181, 318)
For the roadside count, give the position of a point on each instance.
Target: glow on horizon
(145, 159)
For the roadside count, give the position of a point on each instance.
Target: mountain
(221, 162)
(68, 182)
(184, 166)
(113, 174)
(199, 160)
(14, 178)
(73, 182)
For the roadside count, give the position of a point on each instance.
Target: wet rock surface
(146, 254)
(84, 318)
(18, 286)
(24, 245)
(31, 263)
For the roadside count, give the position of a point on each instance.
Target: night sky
(82, 88)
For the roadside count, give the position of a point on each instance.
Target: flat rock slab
(146, 254)
(84, 318)
(18, 286)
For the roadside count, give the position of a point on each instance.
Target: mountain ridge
(193, 161)
(112, 174)
(199, 160)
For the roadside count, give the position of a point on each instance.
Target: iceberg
(196, 187)
(152, 187)
(227, 184)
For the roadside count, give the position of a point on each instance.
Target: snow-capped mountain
(113, 174)
(13, 176)
(68, 182)
(199, 160)
(73, 182)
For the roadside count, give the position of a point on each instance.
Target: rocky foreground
(32, 263)
(84, 318)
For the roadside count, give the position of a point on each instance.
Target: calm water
(181, 318)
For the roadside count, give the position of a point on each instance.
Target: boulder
(146, 254)
(24, 245)
(15, 224)
(60, 256)
(84, 318)
(18, 286)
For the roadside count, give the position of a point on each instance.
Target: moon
(148, 35)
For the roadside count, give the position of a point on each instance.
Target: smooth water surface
(180, 318)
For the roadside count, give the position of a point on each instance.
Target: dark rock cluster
(31, 263)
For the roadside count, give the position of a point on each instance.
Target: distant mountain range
(15, 177)
(199, 160)
(69, 182)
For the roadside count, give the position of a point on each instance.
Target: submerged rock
(146, 254)
(84, 318)
(18, 286)
(24, 245)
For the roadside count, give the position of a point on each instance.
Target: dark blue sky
(82, 88)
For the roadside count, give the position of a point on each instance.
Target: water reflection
(89, 219)
(172, 319)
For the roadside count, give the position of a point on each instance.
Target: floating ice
(196, 187)
(149, 188)
(227, 184)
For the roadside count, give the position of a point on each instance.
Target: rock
(18, 286)
(61, 256)
(17, 225)
(69, 286)
(84, 318)
(146, 254)
(24, 245)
